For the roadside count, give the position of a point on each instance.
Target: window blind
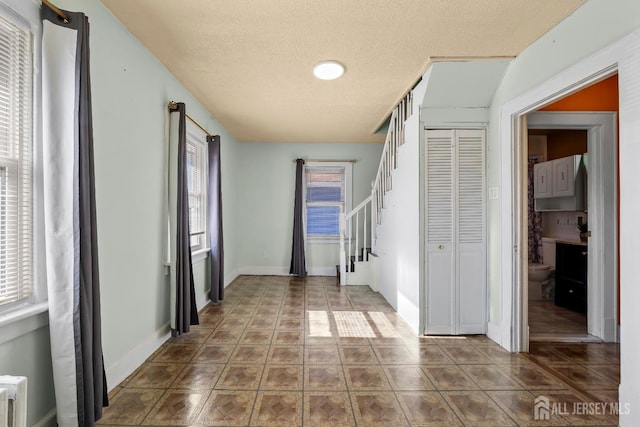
(16, 277)
(195, 173)
(325, 195)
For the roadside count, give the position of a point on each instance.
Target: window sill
(331, 240)
(200, 254)
(23, 320)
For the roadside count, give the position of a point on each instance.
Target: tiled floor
(549, 322)
(289, 352)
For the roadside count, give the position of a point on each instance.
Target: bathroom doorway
(575, 300)
(556, 222)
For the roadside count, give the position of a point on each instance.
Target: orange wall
(602, 96)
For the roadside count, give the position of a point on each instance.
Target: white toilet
(540, 281)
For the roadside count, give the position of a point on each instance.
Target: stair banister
(381, 185)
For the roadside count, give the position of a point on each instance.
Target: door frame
(602, 273)
(597, 67)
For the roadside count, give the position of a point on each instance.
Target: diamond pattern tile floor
(281, 351)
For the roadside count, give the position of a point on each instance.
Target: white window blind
(196, 187)
(325, 199)
(16, 277)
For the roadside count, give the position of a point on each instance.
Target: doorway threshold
(563, 338)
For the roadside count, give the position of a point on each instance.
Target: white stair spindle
(349, 236)
(343, 265)
(358, 236)
(364, 232)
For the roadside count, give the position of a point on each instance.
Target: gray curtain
(73, 277)
(214, 209)
(298, 262)
(186, 310)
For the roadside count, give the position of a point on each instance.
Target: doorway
(599, 211)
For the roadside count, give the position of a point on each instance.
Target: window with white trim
(327, 194)
(197, 184)
(16, 162)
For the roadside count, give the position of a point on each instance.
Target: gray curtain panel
(186, 310)
(90, 388)
(298, 262)
(214, 209)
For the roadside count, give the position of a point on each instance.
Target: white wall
(398, 236)
(590, 28)
(596, 25)
(266, 182)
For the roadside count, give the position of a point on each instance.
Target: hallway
(284, 351)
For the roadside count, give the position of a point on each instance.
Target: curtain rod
(58, 12)
(173, 105)
(327, 161)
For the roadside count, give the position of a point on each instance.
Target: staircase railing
(372, 206)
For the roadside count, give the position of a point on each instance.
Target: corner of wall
(121, 369)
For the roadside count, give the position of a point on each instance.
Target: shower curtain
(535, 219)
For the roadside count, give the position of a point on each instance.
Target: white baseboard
(261, 270)
(122, 368)
(610, 330)
(322, 271)
(48, 420)
(264, 270)
(202, 300)
(494, 332)
(230, 277)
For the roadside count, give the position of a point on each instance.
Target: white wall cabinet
(564, 176)
(455, 232)
(560, 184)
(556, 178)
(543, 184)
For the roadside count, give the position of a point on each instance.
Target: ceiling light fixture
(328, 70)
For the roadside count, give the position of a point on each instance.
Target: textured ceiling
(249, 62)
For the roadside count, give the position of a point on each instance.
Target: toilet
(541, 282)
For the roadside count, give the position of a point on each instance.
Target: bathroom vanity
(571, 275)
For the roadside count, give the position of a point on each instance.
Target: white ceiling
(249, 62)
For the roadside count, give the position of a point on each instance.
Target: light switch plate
(493, 193)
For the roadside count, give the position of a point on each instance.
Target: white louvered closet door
(455, 216)
(440, 232)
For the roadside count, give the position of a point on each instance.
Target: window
(16, 194)
(327, 194)
(197, 184)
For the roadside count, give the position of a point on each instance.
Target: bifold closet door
(471, 245)
(455, 226)
(441, 294)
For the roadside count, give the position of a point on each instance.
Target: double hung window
(327, 194)
(16, 161)
(197, 184)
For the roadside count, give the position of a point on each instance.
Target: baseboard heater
(13, 401)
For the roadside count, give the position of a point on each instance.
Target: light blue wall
(130, 91)
(266, 179)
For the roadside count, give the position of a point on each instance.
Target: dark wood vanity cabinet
(571, 277)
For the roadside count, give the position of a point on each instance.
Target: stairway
(358, 228)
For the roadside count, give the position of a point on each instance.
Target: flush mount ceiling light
(328, 70)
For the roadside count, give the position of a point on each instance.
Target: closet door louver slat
(470, 189)
(440, 188)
